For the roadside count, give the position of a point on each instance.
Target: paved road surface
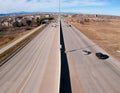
(36, 68)
(89, 74)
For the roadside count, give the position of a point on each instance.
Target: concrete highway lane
(36, 68)
(88, 74)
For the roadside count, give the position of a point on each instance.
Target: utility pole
(59, 10)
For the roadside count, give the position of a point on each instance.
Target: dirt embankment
(6, 39)
(105, 32)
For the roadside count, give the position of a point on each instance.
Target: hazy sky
(77, 6)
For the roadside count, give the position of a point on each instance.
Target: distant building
(69, 16)
(47, 16)
(37, 16)
(5, 23)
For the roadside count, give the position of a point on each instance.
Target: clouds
(86, 2)
(26, 5)
(46, 5)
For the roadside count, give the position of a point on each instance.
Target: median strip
(65, 83)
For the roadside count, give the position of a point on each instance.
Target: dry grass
(105, 34)
(7, 39)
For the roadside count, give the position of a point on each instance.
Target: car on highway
(70, 26)
(101, 55)
(54, 25)
(86, 52)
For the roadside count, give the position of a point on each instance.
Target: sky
(107, 7)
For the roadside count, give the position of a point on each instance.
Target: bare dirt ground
(105, 33)
(10, 34)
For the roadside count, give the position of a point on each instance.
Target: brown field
(10, 34)
(6, 39)
(106, 34)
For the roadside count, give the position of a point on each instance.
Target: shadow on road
(65, 84)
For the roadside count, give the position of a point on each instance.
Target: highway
(54, 62)
(88, 74)
(36, 68)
